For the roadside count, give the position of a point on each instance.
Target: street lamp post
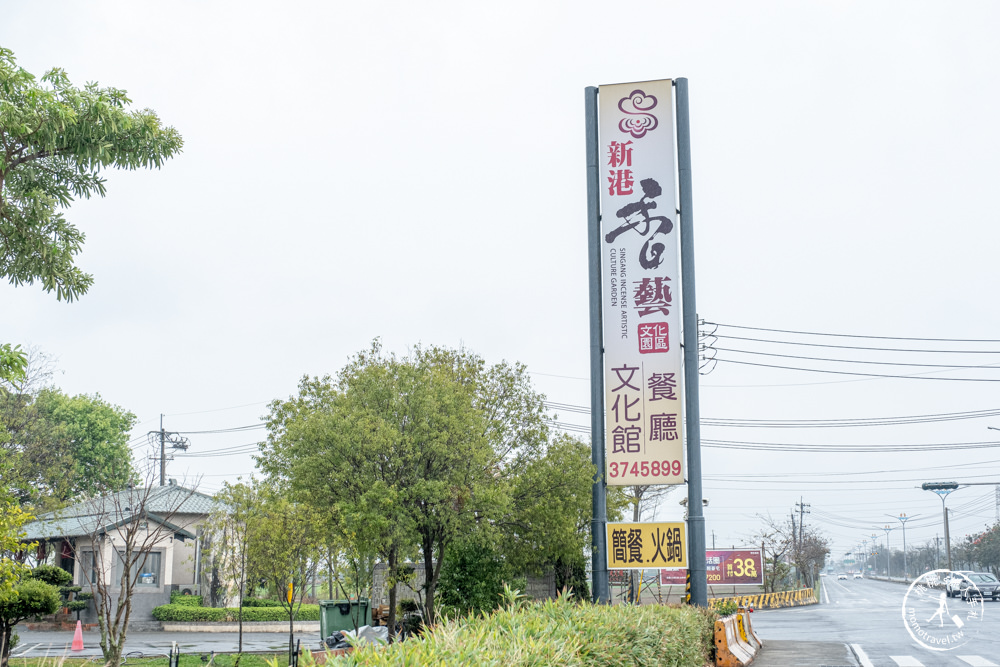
(943, 489)
(875, 550)
(902, 518)
(888, 553)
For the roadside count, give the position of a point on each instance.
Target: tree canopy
(409, 455)
(55, 139)
(30, 597)
(60, 446)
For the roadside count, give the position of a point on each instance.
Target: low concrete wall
(256, 626)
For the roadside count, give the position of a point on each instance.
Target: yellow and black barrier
(736, 644)
(778, 600)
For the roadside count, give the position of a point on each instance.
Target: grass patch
(558, 632)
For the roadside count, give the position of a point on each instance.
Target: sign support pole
(598, 531)
(696, 516)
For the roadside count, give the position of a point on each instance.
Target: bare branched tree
(124, 530)
(644, 499)
(775, 543)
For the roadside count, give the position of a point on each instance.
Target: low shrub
(559, 632)
(260, 602)
(186, 600)
(179, 613)
(726, 608)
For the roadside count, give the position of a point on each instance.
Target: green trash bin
(337, 615)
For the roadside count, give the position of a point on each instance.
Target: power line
(840, 335)
(234, 429)
(819, 423)
(854, 347)
(856, 373)
(835, 448)
(858, 361)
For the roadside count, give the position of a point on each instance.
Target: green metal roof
(100, 515)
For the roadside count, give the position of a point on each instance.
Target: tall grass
(557, 632)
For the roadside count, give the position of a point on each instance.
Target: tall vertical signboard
(640, 297)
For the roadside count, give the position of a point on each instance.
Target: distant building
(169, 515)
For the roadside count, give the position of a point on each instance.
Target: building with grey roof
(89, 540)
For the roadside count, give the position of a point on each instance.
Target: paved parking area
(159, 643)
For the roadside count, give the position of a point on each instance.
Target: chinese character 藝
(653, 295)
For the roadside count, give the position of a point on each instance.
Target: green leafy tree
(233, 528)
(474, 574)
(12, 520)
(427, 449)
(55, 139)
(551, 508)
(284, 548)
(338, 445)
(62, 446)
(30, 597)
(13, 362)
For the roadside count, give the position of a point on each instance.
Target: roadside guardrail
(778, 600)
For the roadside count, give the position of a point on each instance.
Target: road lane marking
(865, 662)
(906, 661)
(25, 651)
(826, 594)
(976, 661)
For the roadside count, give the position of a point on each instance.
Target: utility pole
(803, 509)
(163, 452)
(163, 438)
(795, 549)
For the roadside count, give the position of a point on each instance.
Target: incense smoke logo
(638, 121)
(933, 619)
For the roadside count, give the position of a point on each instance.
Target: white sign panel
(640, 257)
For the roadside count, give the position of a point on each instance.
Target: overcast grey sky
(415, 171)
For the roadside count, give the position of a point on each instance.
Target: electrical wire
(853, 347)
(859, 361)
(840, 335)
(819, 423)
(234, 429)
(856, 373)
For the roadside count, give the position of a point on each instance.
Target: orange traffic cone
(78, 637)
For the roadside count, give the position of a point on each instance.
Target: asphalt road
(873, 616)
